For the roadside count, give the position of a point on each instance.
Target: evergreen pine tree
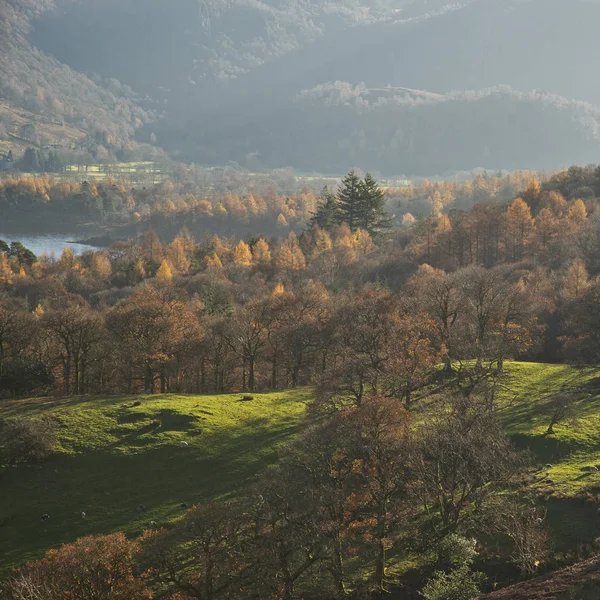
(372, 216)
(327, 215)
(30, 163)
(349, 199)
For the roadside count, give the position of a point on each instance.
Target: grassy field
(570, 493)
(113, 458)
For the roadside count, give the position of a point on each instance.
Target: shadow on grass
(109, 486)
(544, 447)
(572, 522)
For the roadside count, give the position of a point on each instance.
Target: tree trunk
(244, 374)
(251, 373)
(203, 376)
(337, 568)
(76, 361)
(68, 372)
(82, 384)
(274, 372)
(148, 379)
(381, 553)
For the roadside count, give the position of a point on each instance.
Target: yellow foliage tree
(242, 255)
(139, 270)
(289, 256)
(279, 289)
(282, 221)
(68, 259)
(261, 253)
(321, 241)
(213, 262)
(177, 256)
(363, 242)
(38, 311)
(100, 266)
(164, 272)
(576, 280)
(519, 223)
(577, 213)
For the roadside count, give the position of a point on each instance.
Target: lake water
(48, 243)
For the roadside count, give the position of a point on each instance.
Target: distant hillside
(226, 76)
(396, 131)
(43, 86)
(22, 129)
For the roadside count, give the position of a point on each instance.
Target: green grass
(572, 499)
(525, 414)
(113, 458)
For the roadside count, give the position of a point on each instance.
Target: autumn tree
(362, 330)
(203, 555)
(242, 255)
(178, 254)
(75, 329)
(99, 567)
(413, 355)
(289, 255)
(247, 336)
(149, 325)
(164, 272)
(519, 223)
(464, 457)
(261, 253)
(437, 294)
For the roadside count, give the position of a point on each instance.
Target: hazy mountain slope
(152, 43)
(394, 131)
(229, 74)
(44, 86)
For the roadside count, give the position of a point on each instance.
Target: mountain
(434, 86)
(36, 84)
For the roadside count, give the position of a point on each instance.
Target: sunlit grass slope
(115, 456)
(571, 493)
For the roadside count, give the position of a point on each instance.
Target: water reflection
(48, 243)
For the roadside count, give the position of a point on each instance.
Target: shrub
(25, 440)
(99, 567)
(459, 584)
(454, 580)
(455, 551)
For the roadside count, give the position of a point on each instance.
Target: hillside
(229, 76)
(113, 457)
(22, 129)
(579, 581)
(569, 491)
(38, 83)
